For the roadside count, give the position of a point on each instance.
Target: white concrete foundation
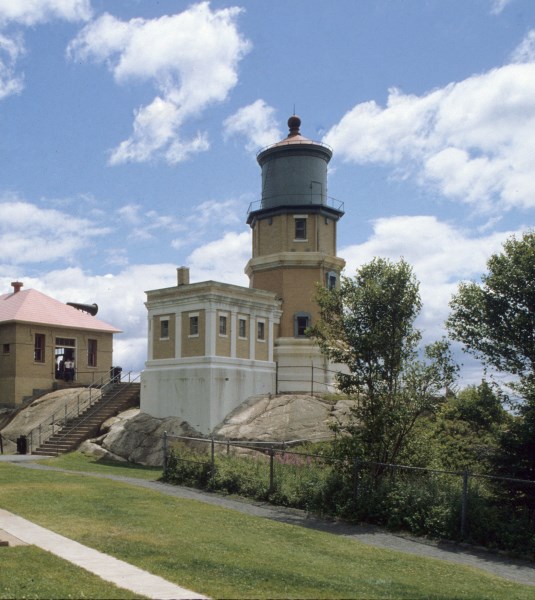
(202, 390)
(301, 367)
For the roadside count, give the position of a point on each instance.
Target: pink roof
(32, 306)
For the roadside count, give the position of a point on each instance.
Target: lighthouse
(294, 249)
(213, 345)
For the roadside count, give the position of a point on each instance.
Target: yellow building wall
(243, 344)
(222, 343)
(20, 374)
(193, 345)
(163, 347)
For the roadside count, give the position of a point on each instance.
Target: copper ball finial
(294, 122)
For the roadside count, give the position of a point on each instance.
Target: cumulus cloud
(471, 140)
(525, 51)
(498, 6)
(29, 13)
(222, 259)
(256, 122)
(34, 12)
(23, 223)
(440, 254)
(190, 58)
(11, 48)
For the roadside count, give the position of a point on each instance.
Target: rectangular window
(194, 325)
(91, 353)
(301, 325)
(300, 229)
(164, 329)
(39, 348)
(261, 330)
(242, 328)
(66, 342)
(222, 325)
(6, 349)
(331, 280)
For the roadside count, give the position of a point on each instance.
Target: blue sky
(129, 129)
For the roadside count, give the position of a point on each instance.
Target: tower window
(300, 229)
(6, 349)
(330, 280)
(301, 324)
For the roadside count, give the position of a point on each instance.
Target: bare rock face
(135, 437)
(284, 418)
(48, 408)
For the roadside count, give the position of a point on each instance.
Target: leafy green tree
(496, 320)
(367, 325)
(465, 432)
(496, 323)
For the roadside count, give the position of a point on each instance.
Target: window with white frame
(242, 327)
(261, 331)
(300, 228)
(164, 328)
(194, 325)
(223, 325)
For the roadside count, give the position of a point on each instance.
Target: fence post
(312, 380)
(39, 434)
(356, 474)
(276, 378)
(464, 503)
(213, 457)
(164, 448)
(271, 470)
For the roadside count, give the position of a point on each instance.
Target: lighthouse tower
(294, 249)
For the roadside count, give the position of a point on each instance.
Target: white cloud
(440, 255)
(30, 13)
(222, 259)
(498, 6)
(191, 58)
(10, 50)
(34, 12)
(525, 51)
(29, 234)
(256, 122)
(471, 140)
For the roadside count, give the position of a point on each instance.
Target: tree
(496, 320)
(368, 326)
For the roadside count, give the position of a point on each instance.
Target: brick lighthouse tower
(294, 249)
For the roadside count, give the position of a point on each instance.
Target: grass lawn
(224, 554)
(28, 572)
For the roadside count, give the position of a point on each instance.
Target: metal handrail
(113, 381)
(305, 199)
(59, 418)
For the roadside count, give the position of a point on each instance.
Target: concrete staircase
(117, 398)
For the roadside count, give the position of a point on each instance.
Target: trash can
(22, 444)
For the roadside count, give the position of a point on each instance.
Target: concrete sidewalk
(106, 567)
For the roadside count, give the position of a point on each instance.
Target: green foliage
(465, 432)
(496, 320)
(368, 325)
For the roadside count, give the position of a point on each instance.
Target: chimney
(16, 286)
(182, 275)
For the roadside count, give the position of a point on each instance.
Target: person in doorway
(69, 370)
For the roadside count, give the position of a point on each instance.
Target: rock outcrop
(136, 437)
